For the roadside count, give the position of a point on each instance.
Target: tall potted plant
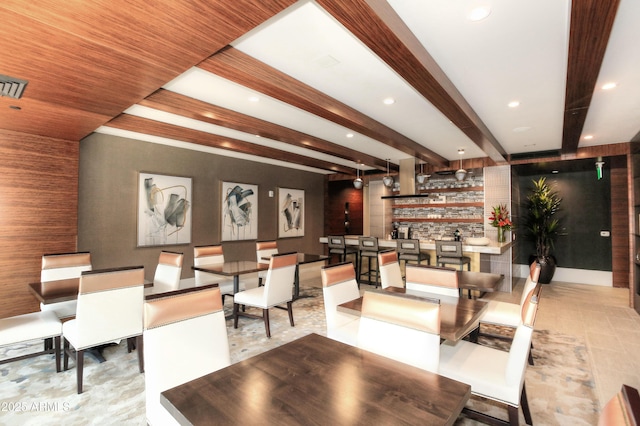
(542, 225)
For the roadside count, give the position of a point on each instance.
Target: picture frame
(164, 210)
(239, 211)
(291, 210)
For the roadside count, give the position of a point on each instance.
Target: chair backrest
(531, 281)
(448, 248)
(408, 246)
(265, 249)
(622, 409)
(432, 279)
(521, 344)
(401, 328)
(168, 271)
(185, 337)
(368, 243)
(65, 265)
(390, 273)
(339, 285)
(336, 242)
(280, 277)
(207, 255)
(109, 305)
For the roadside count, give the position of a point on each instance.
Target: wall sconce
(599, 164)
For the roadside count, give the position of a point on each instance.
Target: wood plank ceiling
(89, 61)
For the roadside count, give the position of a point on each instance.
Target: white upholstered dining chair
(390, 273)
(264, 250)
(61, 267)
(185, 337)
(339, 285)
(493, 373)
(109, 309)
(277, 290)
(401, 328)
(168, 271)
(213, 255)
(432, 279)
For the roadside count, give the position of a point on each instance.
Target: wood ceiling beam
(176, 103)
(156, 128)
(241, 68)
(591, 24)
(380, 28)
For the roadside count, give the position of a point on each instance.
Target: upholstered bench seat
(37, 325)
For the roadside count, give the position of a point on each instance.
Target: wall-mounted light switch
(270, 194)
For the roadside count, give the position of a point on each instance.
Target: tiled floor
(602, 317)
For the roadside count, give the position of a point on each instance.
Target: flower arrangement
(499, 217)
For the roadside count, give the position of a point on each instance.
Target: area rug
(560, 386)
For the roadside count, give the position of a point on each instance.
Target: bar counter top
(492, 248)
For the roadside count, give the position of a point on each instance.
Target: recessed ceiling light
(479, 13)
(254, 99)
(609, 86)
(349, 135)
(389, 101)
(513, 104)
(587, 137)
(555, 171)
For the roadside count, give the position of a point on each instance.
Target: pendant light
(357, 184)
(461, 173)
(387, 180)
(422, 178)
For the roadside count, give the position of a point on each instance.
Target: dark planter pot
(547, 268)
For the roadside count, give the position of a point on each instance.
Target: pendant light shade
(461, 173)
(357, 183)
(387, 180)
(422, 178)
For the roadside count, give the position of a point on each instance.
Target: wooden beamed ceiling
(89, 61)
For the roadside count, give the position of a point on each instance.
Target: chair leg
(56, 342)
(66, 355)
(140, 349)
(265, 317)
(79, 368)
(513, 415)
(525, 406)
(531, 355)
(235, 315)
(290, 309)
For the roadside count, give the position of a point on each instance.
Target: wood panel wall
(337, 194)
(38, 211)
(620, 226)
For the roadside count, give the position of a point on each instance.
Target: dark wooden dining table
(458, 316)
(57, 291)
(482, 282)
(317, 380)
(233, 268)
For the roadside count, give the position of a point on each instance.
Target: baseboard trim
(576, 276)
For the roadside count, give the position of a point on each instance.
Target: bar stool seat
(450, 253)
(338, 246)
(409, 251)
(368, 249)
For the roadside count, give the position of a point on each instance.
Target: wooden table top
(61, 290)
(315, 379)
(232, 267)
(305, 258)
(458, 316)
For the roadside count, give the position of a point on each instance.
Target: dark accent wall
(585, 210)
(340, 194)
(107, 207)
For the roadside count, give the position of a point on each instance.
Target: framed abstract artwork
(290, 212)
(239, 211)
(164, 210)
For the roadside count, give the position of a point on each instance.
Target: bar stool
(338, 246)
(368, 248)
(409, 251)
(450, 253)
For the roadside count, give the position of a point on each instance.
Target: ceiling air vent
(11, 86)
